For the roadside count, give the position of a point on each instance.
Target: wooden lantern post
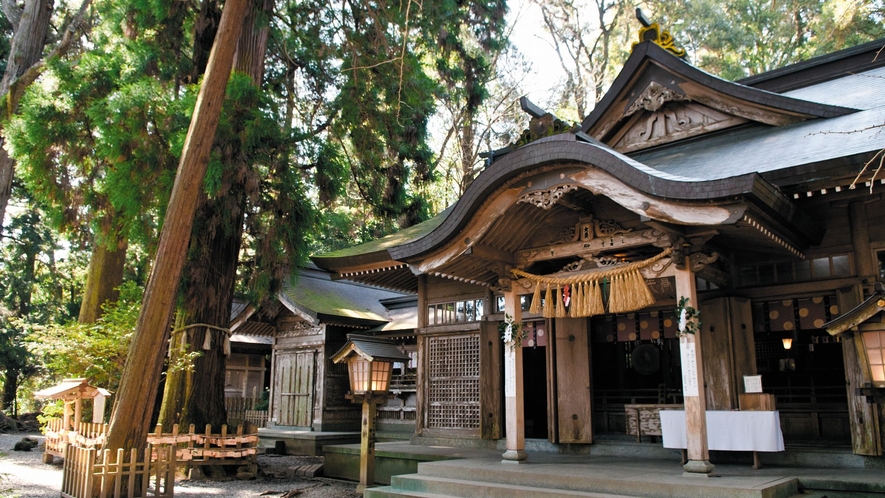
(693, 394)
(514, 401)
(369, 365)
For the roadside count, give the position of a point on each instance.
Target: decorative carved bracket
(581, 248)
(545, 199)
(698, 261)
(653, 98)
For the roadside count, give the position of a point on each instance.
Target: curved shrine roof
(668, 140)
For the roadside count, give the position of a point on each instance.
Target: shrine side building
(747, 202)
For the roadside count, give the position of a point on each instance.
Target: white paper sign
(509, 374)
(689, 369)
(752, 384)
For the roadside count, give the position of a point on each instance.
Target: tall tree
(470, 42)
(196, 395)
(30, 25)
(588, 38)
(343, 111)
(134, 407)
(739, 38)
(30, 294)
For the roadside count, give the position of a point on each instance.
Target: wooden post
(66, 424)
(693, 383)
(367, 440)
(420, 375)
(513, 389)
(78, 414)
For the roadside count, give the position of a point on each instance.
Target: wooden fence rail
(191, 448)
(255, 418)
(91, 473)
(205, 448)
(241, 410)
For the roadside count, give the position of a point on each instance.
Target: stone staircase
(607, 479)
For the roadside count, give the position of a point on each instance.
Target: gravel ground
(23, 475)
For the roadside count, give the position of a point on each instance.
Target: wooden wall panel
(716, 347)
(876, 223)
(742, 340)
(863, 416)
(491, 382)
(573, 380)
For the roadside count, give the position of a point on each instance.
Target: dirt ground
(23, 475)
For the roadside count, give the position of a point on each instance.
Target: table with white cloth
(728, 431)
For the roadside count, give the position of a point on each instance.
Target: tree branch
(12, 12)
(18, 87)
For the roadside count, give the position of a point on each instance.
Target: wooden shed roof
(72, 389)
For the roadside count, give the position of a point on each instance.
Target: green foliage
(94, 351)
(264, 402)
(51, 410)
(33, 284)
(98, 149)
(739, 38)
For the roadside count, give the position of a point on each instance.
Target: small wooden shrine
(73, 392)
(61, 431)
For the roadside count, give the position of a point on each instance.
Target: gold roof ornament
(651, 31)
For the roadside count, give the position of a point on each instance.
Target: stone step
(312, 470)
(471, 489)
(390, 492)
(836, 487)
(623, 480)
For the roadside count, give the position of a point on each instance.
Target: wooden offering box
(756, 402)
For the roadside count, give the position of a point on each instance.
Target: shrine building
(682, 248)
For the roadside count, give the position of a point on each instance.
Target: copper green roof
(380, 246)
(314, 294)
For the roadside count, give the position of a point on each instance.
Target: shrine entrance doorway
(534, 364)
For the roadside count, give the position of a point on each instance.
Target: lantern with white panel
(369, 364)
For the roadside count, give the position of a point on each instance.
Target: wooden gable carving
(668, 123)
(659, 98)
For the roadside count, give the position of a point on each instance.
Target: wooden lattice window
(471, 310)
(454, 382)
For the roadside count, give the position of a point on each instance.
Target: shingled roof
(313, 295)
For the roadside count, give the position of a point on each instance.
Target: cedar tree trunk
(196, 396)
(130, 422)
(104, 277)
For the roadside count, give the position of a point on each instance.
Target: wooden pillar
(513, 388)
(693, 383)
(367, 441)
(860, 239)
(78, 414)
(421, 391)
(66, 416)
